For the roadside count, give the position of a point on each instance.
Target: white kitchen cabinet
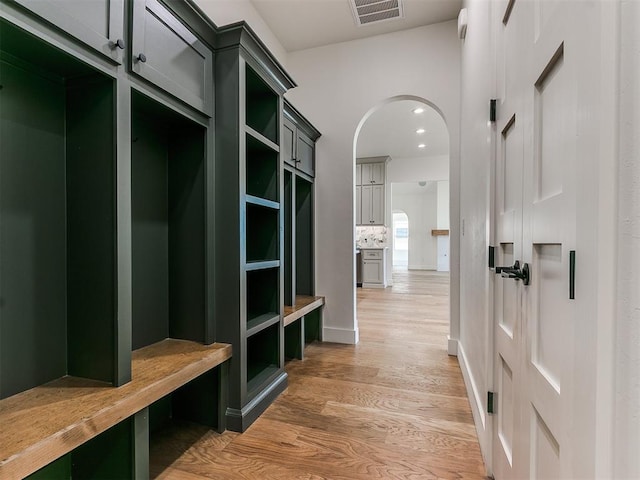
(370, 199)
(373, 173)
(374, 273)
(358, 205)
(372, 205)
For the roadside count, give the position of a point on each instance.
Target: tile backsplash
(371, 236)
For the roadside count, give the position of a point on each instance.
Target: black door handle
(515, 272)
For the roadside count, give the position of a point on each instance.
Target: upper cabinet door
(166, 53)
(305, 154)
(98, 23)
(377, 173)
(358, 174)
(288, 145)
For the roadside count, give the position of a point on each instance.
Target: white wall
(627, 421)
(338, 85)
(225, 12)
(443, 205)
(422, 212)
(475, 157)
(443, 224)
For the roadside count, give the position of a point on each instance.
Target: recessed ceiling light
(422, 145)
(420, 131)
(418, 110)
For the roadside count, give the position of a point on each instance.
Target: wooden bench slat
(42, 424)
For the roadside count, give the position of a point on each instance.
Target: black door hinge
(492, 256)
(492, 109)
(490, 406)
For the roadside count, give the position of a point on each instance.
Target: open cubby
(107, 456)
(312, 326)
(262, 106)
(196, 401)
(262, 296)
(263, 357)
(168, 226)
(262, 233)
(57, 197)
(262, 169)
(304, 237)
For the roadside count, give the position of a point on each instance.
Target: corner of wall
(341, 335)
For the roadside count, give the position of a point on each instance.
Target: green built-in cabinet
(142, 204)
(299, 136)
(249, 203)
(107, 251)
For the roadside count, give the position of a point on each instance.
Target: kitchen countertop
(371, 248)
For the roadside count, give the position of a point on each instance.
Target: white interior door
(539, 65)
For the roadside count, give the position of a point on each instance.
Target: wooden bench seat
(42, 424)
(304, 304)
(295, 333)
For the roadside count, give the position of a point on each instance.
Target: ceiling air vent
(367, 12)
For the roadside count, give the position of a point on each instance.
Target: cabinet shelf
(261, 322)
(261, 202)
(262, 170)
(263, 294)
(253, 266)
(263, 357)
(266, 144)
(262, 242)
(262, 106)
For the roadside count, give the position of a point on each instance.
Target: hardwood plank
(46, 422)
(392, 407)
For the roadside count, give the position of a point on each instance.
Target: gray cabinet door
(97, 23)
(305, 154)
(358, 205)
(372, 271)
(377, 205)
(288, 143)
(358, 174)
(166, 53)
(377, 173)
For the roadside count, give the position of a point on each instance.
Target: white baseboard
(422, 267)
(373, 285)
(480, 417)
(452, 346)
(340, 335)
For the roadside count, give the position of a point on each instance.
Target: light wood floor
(392, 407)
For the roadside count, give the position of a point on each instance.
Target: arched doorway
(411, 133)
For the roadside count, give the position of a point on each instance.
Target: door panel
(377, 205)
(305, 154)
(288, 145)
(365, 205)
(535, 223)
(99, 23)
(358, 205)
(167, 54)
(545, 450)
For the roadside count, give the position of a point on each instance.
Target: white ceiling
(391, 130)
(302, 24)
